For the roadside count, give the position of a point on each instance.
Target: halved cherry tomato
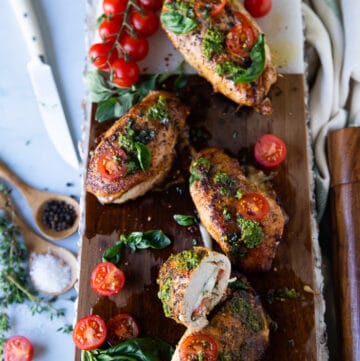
(109, 28)
(206, 9)
(198, 346)
(135, 48)
(258, 8)
(121, 327)
(153, 5)
(89, 332)
(18, 348)
(111, 164)
(102, 55)
(241, 37)
(145, 23)
(269, 150)
(253, 206)
(107, 279)
(125, 73)
(114, 7)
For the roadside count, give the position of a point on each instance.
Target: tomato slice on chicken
(112, 163)
(242, 37)
(253, 206)
(121, 327)
(211, 8)
(269, 151)
(18, 348)
(198, 346)
(89, 332)
(107, 279)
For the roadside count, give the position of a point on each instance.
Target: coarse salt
(49, 273)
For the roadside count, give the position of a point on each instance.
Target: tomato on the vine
(109, 28)
(121, 327)
(206, 9)
(153, 5)
(18, 348)
(134, 48)
(89, 332)
(107, 279)
(114, 7)
(112, 163)
(241, 37)
(253, 206)
(258, 8)
(269, 151)
(102, 55)
(125, 73)
(198, 346)
(144, 23)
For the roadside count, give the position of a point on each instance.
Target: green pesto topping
(248, 313)
(224, 181)
(239, 194)
(226, 214)
(239, 74)
(159, 111)
(188, 259)
(199, 169)
(164, 296)
(251, 232)
(213, 42)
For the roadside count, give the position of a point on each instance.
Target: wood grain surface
(214, 121)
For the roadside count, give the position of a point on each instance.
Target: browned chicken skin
(217, 183)
(156, 131)
(251, 93)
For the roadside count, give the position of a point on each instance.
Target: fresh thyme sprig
(15, 284)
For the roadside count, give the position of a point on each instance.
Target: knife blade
(43, 83)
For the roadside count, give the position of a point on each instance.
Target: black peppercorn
(58, 215)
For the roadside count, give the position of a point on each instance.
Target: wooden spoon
(37, 201)
(37, 245)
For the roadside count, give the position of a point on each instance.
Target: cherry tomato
(89, 332)
(102, 55)
(253, 206)
(109, 28)
(114, 7)
(269, 150)
(125, 73)
(135, 48)
(121, 327)
(198, 346)
(258, 8)
(211, 8)
(111, 164)
(107, 279)
(241, 37)
(18, 348)
(153, 5)
(145, 24)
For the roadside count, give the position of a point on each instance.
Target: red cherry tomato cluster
(90, 332)
(124, 30)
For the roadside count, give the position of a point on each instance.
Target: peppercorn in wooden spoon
(56, 215)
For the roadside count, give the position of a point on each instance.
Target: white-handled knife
(43, 83)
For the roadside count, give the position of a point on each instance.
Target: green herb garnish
(159, 111)
(251, 232)
(199, 169)
(185, 220)
(280, 294)
(213, 42)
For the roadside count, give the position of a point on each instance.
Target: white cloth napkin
(333, 29)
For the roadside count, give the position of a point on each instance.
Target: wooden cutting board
(214, 121)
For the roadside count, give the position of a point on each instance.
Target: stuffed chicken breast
(225, 45)
(239, 212)
(191, 283)
(238, 330)
(137, 152)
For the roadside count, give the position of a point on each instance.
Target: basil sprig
(155, 239)
(185, 220)
(238, 74)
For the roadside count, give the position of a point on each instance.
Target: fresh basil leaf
(97, 86)
(106, 109)
(258, 59)
(180, 82)
(113, 253)
(125, 102)
(143, 155)
(177, 23)
(155, 239)
(185, 220)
